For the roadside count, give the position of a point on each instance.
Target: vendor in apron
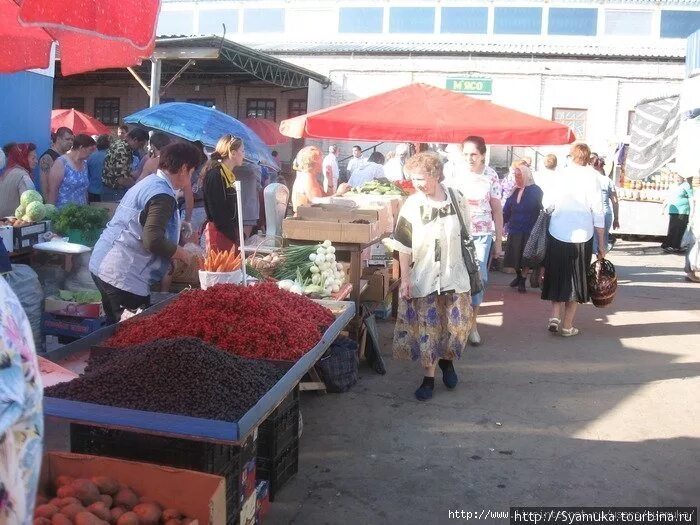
(135, 250)
(221, 226)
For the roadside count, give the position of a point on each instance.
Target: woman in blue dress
(68, 178)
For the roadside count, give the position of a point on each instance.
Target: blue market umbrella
(194, 122)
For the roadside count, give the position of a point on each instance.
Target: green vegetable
(80, 296)
(83, 218)
(313, 289)
(35, 211)
(51, 211)
(65, 295)
(379, 187)
(30, 196)
(19, 212)
(295, 258)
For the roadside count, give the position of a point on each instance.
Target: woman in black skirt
(520, 213)
(578, 215)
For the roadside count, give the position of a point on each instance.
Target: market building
(582, 63)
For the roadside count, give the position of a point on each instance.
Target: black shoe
(515, 281)
(449, 375)
(521, 285)
(425, 391)
(668, 249)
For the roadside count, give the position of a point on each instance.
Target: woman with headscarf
(220, 201)
(68, 178)
(679, 206)
(17, 177)
(520, 213)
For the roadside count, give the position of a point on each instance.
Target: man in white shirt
(331, 171)
(356, 161)
(546, 179)
(393, 169)
(371, 170)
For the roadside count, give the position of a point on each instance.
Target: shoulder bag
(468, 250)
(536, 245)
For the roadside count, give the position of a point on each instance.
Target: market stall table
(641, 218)
(73, 357)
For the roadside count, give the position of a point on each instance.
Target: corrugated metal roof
(675, 50)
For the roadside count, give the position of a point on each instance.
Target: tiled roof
(671, 50)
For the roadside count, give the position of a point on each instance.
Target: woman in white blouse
(434, 315)
(578, 215)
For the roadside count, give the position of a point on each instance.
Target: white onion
(321, 251)
(339, 266)
(335, 288)
(314, 269)
(330, 258)
(326, 244)
(312, 257)
(316, 279)
(330, 249)
(320, 259)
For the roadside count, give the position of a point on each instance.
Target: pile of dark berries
(182, 376)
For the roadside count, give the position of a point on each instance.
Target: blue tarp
(208, 125)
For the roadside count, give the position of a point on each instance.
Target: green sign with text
(470, 86)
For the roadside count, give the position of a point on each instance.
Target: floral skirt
(433, 327)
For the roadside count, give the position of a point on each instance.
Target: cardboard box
(76, 327)
(111, 207)
(53, 374)
(27, 236)
(197, 495)
(340, 232)
(378, 283)
(380, 256)
(380, 213)
(54, 305)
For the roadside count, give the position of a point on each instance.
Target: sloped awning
(213, 59)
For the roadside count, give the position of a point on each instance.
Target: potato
(71, 510)
(126, 498)
(171, 514)
(128, 518)
(107, 500)
(60, 519)
(115, 513)
(100, 510)
(64, 480)
(106, 485)
(86, 491)
(41, 521)
(45, 511)
(66, 491)
(87, 518)
(148, 513)
(67, 501)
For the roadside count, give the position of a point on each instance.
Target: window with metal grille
(107, 111)
(573, 21)
(466, 20)
(296, 107)
(77, 103)
(574, 118)
(261, 108)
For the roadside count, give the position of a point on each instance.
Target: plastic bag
(80, 277)
(209, 279)
(25, 283)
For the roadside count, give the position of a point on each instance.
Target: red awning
(267, 130)
(92, 34)
(422, 113)
(77, 122)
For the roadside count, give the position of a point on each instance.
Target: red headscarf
(19, 156)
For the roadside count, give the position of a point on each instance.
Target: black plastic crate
(227, 461)
(280, 429)
(279, 470)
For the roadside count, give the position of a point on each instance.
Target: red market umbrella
(267, 130)
(77, 122)
(422, 113)
(93, 36)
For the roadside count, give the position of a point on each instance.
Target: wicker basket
(602, 283)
